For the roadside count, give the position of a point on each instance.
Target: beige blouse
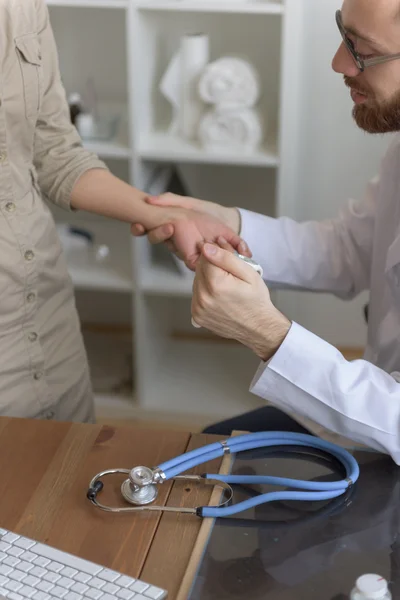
(43, 365)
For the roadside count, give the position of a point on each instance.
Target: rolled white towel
(230, 82)
(236, 130)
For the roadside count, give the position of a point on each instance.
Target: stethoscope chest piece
(139, 489)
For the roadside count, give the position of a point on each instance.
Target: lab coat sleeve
(328, 256)
(309, 377)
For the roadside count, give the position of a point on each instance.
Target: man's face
(374, 28)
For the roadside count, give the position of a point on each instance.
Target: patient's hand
(203, 221)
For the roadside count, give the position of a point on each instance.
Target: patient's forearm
(100, 192)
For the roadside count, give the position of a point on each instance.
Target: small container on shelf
(103, 129)
(75, 104)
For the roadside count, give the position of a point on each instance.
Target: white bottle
(371, 587)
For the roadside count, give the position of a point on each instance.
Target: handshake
(192, 223)
(229, 296)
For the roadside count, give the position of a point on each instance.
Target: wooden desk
(45, 469)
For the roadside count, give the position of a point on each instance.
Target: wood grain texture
(45, 472)
(177, 533)
(46, 468)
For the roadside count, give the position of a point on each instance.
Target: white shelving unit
(130, 45)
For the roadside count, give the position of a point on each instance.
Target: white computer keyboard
(29, 569)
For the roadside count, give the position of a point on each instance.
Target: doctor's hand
(231, 300)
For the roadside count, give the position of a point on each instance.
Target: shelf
(249, 7)
(90, 3)
(213, 379)
(109, 150)
(164, 280)
(113, 274)
(163, 147)
(118, 147)
(98, 278)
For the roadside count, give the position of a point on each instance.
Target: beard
(374, 117)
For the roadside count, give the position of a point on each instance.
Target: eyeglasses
(361, 63)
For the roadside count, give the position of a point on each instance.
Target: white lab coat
(360, 250)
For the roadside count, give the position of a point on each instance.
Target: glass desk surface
(298, 550)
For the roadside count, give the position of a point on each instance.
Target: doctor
(359, 250)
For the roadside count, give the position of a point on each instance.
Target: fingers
(194, 300)
(225, 245)
(161, 234)
(240, 246)
(244, 249)
(229, 263)
(137, 230)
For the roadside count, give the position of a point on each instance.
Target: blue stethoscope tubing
(301, 490)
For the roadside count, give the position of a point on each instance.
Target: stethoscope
(141, 487)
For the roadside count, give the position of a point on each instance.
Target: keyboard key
(15, 596)
(24, 543)
(10, 537)
(38, 572)
(29, 556)
(139, 587)
(41, 562)
(11, 561)
(52, 577)
(54, 566)
(125, 594)
(58, 592)
(45, 586)
(25, 566)
(3, 531)
(108, 575)
(4, 546)
(154, 593)
(108, 597)
(12, 585)
(14, 551)
(41, 596)
(97, 583)
(65, 582)
(93, 594)
(125, 581)
(68, 572)
(82, 577)
(80, 588)
(17, 575)
(31, 580)
(110, 588)
(73, 596)
(5, 569)
(3, 555)
(27, 591)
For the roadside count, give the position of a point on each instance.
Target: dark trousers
(266, 418)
